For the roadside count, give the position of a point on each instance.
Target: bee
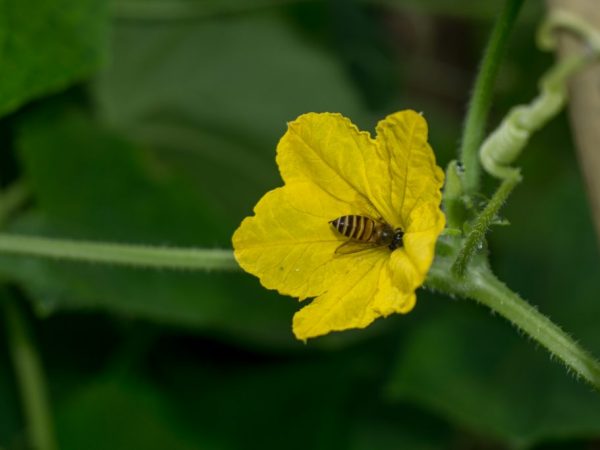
(365, 233)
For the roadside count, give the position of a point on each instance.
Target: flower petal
(404, 272)
(415, 177)
(289, 243)
(366, 292)
(329, 150)
(409, 264)
(425, 223)
(393, 297)
(346, 303)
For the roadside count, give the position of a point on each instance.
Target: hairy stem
(481, 285)
(482, 223)
(119, 254)
(488, 290)
(30, 377)
(481, 98)
(505, 144)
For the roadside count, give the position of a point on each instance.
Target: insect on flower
(365, 233)
(355, 224)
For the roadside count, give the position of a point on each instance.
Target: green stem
(482, 223)
(452, 197)
(119, 254)
(504, 145)
(482, 286)
(481, 98)
(490, 291)
(30, 378)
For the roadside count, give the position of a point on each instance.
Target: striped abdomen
(360, 228)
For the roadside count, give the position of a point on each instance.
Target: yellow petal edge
(330, 169)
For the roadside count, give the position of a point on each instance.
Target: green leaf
(242, 78)
(214, 97)
(89, 179)
(46, 45)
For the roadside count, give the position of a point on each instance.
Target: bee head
(397, 241)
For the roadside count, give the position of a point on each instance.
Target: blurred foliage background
(156, 122)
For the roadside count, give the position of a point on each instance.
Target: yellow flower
(331, 169)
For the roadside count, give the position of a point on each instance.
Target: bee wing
(350, 246)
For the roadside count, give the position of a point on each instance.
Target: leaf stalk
(30, 376)
(118, 254)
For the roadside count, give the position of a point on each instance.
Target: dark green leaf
(47, 45)
(214, 97)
